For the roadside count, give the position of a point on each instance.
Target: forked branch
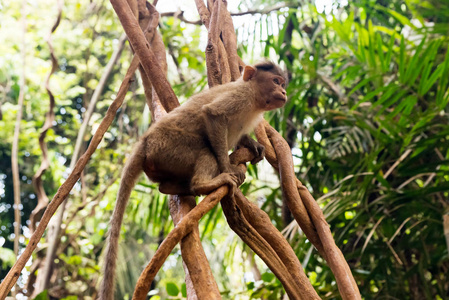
(319, 234)
(188, 223)
(67, 186)
(199, 280)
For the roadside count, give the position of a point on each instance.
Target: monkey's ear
(248, 73)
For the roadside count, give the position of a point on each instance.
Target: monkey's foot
(204, 188)
(237, 172)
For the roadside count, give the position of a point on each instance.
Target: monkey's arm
(216, 124)
(257, 148)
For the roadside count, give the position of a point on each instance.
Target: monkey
(186, 151)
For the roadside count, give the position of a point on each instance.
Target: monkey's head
(268, 81)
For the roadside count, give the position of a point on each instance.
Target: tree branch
(185, 226)
(180, 14)
(15, 142)
(67, 186)
(199, 279)
(259, 245)
(142, 48)
(55, 225)
(198, 273)
(212, 60)
(262, 224)
(318, 231)
(42, 199)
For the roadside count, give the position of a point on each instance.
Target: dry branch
(223, 61)
(212, 60)
(186, 225)
(54, 228)
(199, 279)
(320, 235)
(262, 224)
(42, 199)
(15, 141)
(148, 60)
(259, 245)
(289, 189)
(346, 283)
(67, 186)
(230, 43)
(149, 19)
(262, 138)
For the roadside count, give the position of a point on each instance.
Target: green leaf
(371, 41)
(403, 19)
(267, 277)
(42, 296)
(406, 105)
(402, 60)
(361, 44)
(433, 78)
(425, 60)
(362, 84)
(443, 92)
(172, 289)
(374, 93)
(8, 258)
(380, 52)
(282, 32)
(414, 65)
(389, 53)
(424, 76)
(391, 101)
(388, 93)
(184, 290)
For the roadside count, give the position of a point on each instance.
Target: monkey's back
(181, 135)
(188, 118)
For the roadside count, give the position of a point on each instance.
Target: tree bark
(67, 186)
(42, 199)
(15, 142)
(54, 228)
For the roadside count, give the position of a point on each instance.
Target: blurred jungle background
(367, 121)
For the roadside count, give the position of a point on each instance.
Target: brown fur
(187, 150)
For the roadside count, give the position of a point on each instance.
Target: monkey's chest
(245, 125)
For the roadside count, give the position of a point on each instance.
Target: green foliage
(8, 258)
(367, 121)
(268, 288)
(42, 296)
(373, 137)
(172, 289)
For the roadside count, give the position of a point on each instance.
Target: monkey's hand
(256, 148)
(259, 152)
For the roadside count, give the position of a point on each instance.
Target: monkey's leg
(174, 188)
(206, 176)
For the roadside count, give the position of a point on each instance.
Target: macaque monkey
(186, 151)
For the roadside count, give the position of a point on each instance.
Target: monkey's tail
(130, 174)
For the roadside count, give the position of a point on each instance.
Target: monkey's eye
(283, 85)
(276, 80)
